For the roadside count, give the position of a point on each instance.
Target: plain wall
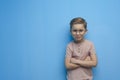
(34, 35)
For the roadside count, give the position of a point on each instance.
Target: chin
(78, 40)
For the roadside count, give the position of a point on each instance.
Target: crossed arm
(72, 63)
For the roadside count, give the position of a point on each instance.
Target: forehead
(78, 26)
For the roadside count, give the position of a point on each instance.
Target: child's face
(78, 31)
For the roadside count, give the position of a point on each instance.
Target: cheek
(73, 33)
(82, 33)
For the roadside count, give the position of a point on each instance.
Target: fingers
(87, 58)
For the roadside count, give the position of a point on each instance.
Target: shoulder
(88, 42)
(70, 44)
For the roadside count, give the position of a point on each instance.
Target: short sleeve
(68, 51)
(92, 49)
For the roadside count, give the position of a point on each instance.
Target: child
(80, 53)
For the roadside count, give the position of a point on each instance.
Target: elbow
(67, 66)
(95, 64)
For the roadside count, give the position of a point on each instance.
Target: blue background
(34, 35)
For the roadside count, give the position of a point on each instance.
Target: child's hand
(73, 60)
(87, 58)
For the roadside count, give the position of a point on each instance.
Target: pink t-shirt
(80, 51)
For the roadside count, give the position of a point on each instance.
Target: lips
(77, 37)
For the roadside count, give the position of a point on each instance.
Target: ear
(86, 31)
(70, 31)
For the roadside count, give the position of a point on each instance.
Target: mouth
(78, 37)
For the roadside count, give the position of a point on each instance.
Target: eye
(74, 30)
(80, 30)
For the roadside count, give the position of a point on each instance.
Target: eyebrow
(77, 29)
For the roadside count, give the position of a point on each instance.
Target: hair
(78, 20)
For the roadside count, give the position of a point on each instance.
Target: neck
(79, 41)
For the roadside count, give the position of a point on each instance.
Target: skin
(78, 31)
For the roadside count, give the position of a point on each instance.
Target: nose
(77, 32)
